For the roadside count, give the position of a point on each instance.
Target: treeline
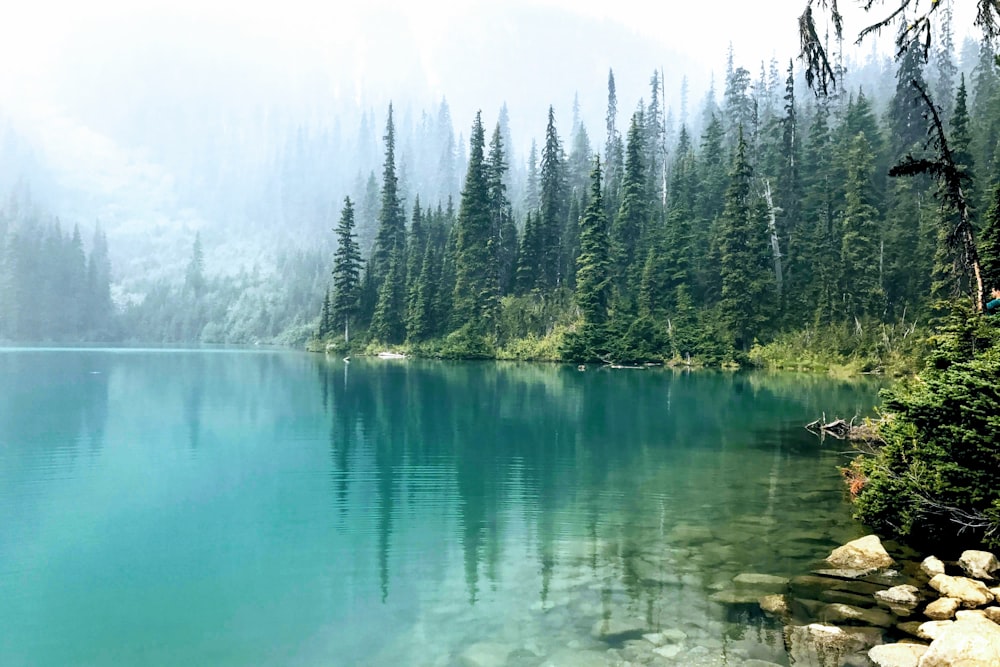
(51, 287)
(779, 217)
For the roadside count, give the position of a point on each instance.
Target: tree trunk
(772, 229)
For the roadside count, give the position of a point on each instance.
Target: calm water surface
(277, 508)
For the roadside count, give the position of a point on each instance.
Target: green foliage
(938, 476)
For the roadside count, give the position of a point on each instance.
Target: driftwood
(844, 430)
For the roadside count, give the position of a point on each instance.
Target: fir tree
(553, 209)
(860, 254)
(503, 233)
(990, 243)
(391, 226)
(593, 265)
(630, 221)
(744, 264)
(475, 296)
(346, 271)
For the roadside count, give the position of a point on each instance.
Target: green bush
(937, 478)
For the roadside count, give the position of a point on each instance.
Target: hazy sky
(37, 39)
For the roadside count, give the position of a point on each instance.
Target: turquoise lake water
(164, 507)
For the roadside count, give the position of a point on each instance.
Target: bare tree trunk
(772, 229)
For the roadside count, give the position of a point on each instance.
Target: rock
(753, 662)
(903, 596)
(843, 573)
(841, 613)
(843, 597)
(931, 629)
(748, 596)
(776, 605)
(966, 614)
(992, 613)
(909, 627)
(978, 564)
(618, 629)
(485, 654)
(573, 658)
(866, 553)
(971, 642)
(820, 644)
(655, 638)
(669, 651)
(971, 592)
(942, 609)
(897, 655)
(932, 566)
(762, 582)
(674, 636)
(686, 533)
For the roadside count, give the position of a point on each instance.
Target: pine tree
(503, 232)
(194, 277)
(613, 150)
(391, 225)
(744, 264)
(99, 310)
(475, 296)
(630, 221)
(388, 324)
(553, 210)
(990, 243)
(529, 257)
(860, 249)
(593, 282)
(906, 121)
(346, 271)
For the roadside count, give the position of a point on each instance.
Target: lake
(167, 507)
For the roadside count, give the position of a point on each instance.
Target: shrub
(937, 477)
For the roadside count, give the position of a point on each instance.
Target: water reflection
(598, 457)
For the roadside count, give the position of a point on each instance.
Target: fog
(248, 122)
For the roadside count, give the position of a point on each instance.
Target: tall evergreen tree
(630, 222)
(553, 210)
(391, 225)
(346, 272)
(593, 282)
(860, 249)
(747, 289)
(503, 232)
(388, 320)
(476, 295)
(613, 150)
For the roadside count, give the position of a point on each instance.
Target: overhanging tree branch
(950, 176)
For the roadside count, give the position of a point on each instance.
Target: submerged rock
(485, 654)
(897, 655)
(618, 629)
(845, 613)
(865, 553)
(969, 642)
(776, 605)
(972, 592)
(821, 644)
(762, 582)
(901, 596)
(978, 564)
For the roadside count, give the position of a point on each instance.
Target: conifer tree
(860, 254)
(990, 243)
(346, 272)
(613, 151)
(529, 256)
(593, 282)
(630, 221)
(388, 323)
(744, 264)
(503, 232)
(194, 277)
(391, 226)
(553, 209)
(475, 296)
